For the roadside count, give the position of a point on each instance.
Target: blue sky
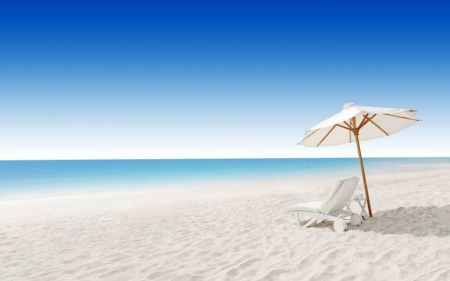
(216, 80)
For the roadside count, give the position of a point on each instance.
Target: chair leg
(297, 217)
(311, 221)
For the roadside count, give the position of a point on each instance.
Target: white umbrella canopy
(357, 123)
(373, 122)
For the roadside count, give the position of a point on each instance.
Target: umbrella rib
(381, 129)
(350, 136)
(309, 135)
(350, 127)
(346, 128)
(329, 132)
(367, 121)
(343, 127)
(391, 115)
(364, 119)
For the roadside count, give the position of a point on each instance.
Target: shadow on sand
(417, 221)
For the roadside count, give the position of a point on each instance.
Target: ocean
(19, 179)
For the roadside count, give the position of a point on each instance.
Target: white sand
(245, 238)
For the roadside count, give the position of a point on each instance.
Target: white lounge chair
(332, 208)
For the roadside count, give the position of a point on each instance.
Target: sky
(208, 79)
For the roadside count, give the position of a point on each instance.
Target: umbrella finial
(348, 105)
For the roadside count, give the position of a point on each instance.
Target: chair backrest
(339, 196)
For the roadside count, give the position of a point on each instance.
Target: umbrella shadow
(417, 221)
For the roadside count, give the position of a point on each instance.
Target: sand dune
(109, 238)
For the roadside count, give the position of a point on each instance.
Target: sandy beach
(241, 238)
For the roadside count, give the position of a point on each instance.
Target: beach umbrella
(357, 123)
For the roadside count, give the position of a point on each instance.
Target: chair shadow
(417, 221)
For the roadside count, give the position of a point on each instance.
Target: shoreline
(236, 187)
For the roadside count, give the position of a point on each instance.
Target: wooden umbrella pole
(361, 163)
(363, 173)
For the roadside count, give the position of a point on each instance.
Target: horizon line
(237, 158)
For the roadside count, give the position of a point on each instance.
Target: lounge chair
(332, 208)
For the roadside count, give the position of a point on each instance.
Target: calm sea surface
(27, 176)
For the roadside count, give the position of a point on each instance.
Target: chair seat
(312, 207)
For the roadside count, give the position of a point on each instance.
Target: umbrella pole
(356, 133)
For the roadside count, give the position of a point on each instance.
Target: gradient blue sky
(216, 80)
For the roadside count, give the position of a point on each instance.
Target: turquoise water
(25, 176)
